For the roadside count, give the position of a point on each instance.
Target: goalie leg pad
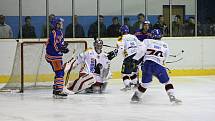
(83, 82)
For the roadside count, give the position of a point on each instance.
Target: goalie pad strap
(82, 83)
(80, 87)
(75, 82)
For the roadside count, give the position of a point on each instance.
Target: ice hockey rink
(197, 94)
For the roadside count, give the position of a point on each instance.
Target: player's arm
(120, 45)
(52, 40)
(141, 50)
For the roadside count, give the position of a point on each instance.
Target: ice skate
(174, 100)
(59, 95)
(135, 97)
(126, 88)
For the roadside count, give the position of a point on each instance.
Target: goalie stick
(70, 64)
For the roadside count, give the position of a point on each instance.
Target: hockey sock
(134, 78)
(58, 84)
(141, 89)
(126, 80)
(169, 89)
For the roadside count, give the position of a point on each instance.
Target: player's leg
(58, 81)
(146, 79)
(134, 76)
(126, 72)
(161, 74)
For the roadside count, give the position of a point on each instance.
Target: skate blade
(124, 89)
(136, 102)
(59, 97)
(176, 103)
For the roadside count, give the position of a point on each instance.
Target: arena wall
(197, 59)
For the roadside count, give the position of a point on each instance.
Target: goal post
(30, 69)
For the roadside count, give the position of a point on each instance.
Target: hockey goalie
(94, 73)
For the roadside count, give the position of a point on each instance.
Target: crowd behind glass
(180, 28)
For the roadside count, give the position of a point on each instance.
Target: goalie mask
(98, 44)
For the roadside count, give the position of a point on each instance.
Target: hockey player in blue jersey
(155, 53)
(55, 47)
(145, 32)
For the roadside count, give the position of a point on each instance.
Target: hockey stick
(178, 54)
(109, 46)
(174, 60)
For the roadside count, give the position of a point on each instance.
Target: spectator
(177, 26)
(189, 27)
(28, 31)
(127, 22)
(44, 30)
(212, 26)
(79, 31)
(113, 29)
(93, 30)
(5, 30)
(160, 24)
(139, 23)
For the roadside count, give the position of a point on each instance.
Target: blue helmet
(156, 34)
(124, 29)
(146, 22)
(56, 20)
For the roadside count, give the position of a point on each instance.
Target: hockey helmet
(156, 34)
(124, 29)
(55, 21)
(146, 22)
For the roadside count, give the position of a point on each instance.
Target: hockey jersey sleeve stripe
(53, 57)
(55, 41)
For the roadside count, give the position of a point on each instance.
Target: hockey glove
(112, 54)
(98, 68)
(65, 44)
(64, 48)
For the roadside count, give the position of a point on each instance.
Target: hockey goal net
(30, 69)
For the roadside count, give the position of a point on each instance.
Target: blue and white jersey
(55, 43)
(154, 50)
(157, 51)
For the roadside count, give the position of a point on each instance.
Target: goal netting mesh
(30, 69)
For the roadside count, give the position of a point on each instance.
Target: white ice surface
(197, 94)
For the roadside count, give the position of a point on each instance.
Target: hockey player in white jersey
(93, 76)
(127, 45)
(155, 53)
